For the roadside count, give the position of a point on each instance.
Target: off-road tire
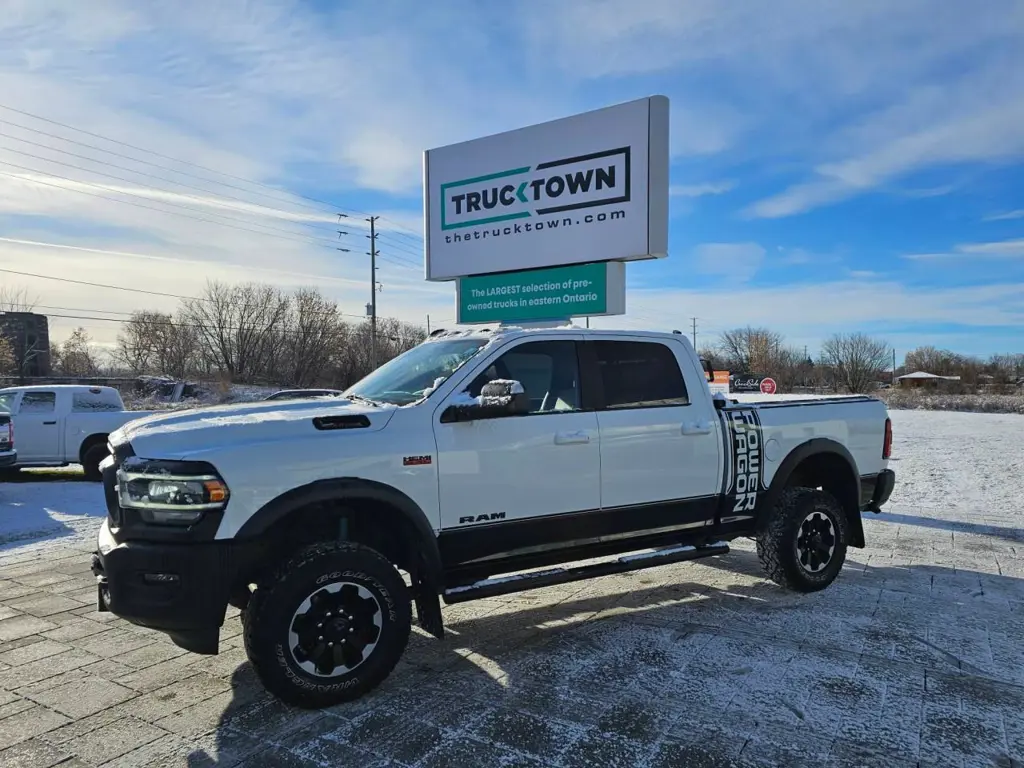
(91, 461)
(777, 541)
(268, 618)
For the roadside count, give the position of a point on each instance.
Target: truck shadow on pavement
(957, 526)
(889, 667)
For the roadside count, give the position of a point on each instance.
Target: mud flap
(428, 612)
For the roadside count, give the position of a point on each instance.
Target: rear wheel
(91, 461)
(803, 546)
(329, 626)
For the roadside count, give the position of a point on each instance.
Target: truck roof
(516, 330)
(51, 387)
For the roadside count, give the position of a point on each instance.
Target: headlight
(171, 499)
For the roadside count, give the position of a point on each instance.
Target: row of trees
(250, 333)
(853, 362)
(256, 333)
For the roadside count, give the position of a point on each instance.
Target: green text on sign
(534, 295)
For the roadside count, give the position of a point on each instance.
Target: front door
(504, 482)
(36, 428)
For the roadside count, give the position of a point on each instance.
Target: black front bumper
(8, 458)
(180, 589)
(876, 490)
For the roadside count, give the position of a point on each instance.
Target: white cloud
(701, 190)
(1000, 249)
(1006, 216)
(737, 261)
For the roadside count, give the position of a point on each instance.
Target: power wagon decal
(747, 461)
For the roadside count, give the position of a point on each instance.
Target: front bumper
(8, 458)
(876, 490)
(178, 588)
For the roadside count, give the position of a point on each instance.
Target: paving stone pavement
(913, 657)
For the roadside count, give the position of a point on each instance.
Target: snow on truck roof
(53, 387)
(499, 331)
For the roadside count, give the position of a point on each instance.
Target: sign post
(510, 215)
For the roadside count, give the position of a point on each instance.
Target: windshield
(7, 400)
(408, 377)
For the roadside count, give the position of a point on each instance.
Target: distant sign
(720, 384)
(543, 294)
(767, 386)
(587, 188)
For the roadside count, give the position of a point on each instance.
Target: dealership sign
(556, 293)
(587, 188)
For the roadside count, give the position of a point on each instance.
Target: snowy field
(914, 657)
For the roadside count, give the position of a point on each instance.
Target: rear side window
(92, 400)
(38, 402)
(639, 374)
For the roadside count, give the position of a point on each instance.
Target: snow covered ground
(912, 658)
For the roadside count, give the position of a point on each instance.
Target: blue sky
(836, 166)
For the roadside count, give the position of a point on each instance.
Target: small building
(923, 380)
(29, 335)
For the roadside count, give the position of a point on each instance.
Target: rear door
(37, 427)
(661, 446)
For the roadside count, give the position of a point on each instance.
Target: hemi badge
(417, 461)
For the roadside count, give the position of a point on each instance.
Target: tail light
(887, 445)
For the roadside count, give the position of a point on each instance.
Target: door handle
(697, 428)
(49, 423)
(571, 438)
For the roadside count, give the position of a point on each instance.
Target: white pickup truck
(65, 424)
(478, 463)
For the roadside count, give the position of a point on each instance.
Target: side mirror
(498, 399)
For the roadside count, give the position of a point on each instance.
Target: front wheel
(329, 626)
(803, 546)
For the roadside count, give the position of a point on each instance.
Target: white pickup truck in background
(65, 424)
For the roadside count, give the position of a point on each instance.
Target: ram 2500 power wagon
(476, 464)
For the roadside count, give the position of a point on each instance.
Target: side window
(639, 374)
(548, 371)
(38, 402)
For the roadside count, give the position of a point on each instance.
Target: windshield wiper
(374, 403)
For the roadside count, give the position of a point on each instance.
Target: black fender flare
(814, 447)
(351, 489)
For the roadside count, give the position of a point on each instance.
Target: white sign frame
(587, 188)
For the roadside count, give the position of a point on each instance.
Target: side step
(504, 585)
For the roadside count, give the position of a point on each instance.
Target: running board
(504, 585)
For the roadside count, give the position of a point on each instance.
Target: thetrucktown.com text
(507, 230)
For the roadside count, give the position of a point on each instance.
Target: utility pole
(428, 325)
(373, 291)
(694, 332)
(894, 366)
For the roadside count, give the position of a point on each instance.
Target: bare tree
(312, 334)
(7, 363)
(941, 362)
(17, 299)
(238, 327)
(77, 355)
(753, 350)
(856, 360)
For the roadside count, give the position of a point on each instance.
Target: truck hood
(179, 433)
